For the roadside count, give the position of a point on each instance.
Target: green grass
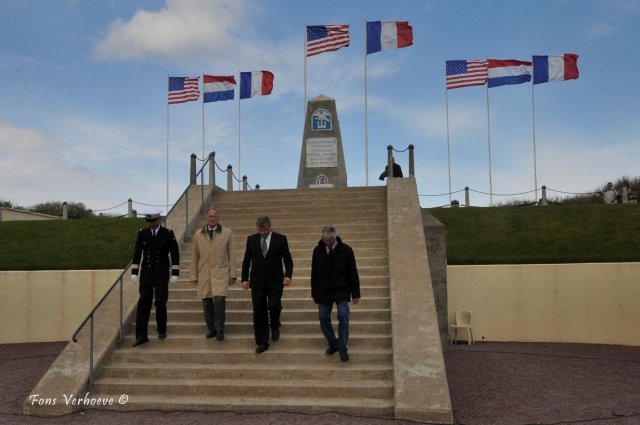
(498, 235)
(87, 244)
(552, 234)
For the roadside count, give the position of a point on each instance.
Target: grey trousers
(214, 312)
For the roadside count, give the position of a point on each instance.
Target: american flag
(463, 73)
(326, 38)
(183, 89)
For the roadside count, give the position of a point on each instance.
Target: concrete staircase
(189, 372)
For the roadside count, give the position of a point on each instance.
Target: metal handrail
(89, 318)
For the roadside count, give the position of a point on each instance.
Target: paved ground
(490, 384)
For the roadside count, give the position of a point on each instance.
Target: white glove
(134, 278)
(174, 279)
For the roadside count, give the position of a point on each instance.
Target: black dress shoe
(331, 350)
(162, 336)
(140, 341)
(262, 348)
(275, 334)
(211, 334)
(219, 336)
(344, 356)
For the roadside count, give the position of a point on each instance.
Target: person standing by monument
(334, 279)
(397, 170)
(213, 269)
(156, 256)
(262, 270)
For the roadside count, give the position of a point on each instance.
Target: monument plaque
(322, 152)
(322, 157)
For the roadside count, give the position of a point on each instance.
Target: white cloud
(182, 28)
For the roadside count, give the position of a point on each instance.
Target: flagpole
(203, 116)
(446, 94)
(304, 110)
(533, 125)
(366, 124)
(239, 91)
(168, 140)
(489, 145)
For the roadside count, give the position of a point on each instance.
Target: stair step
(233, 303)
(298, 290)
(371, 407)
(154, 352)
(293, 327)
(251, 370)
(246, 341)
(313, 388)
(287, 315)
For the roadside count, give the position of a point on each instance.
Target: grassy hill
(552, 234)
(499, 235)
(96, 243)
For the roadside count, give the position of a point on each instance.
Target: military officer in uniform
(155, 245)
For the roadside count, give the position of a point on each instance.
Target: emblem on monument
(322, 180)
(321, 120)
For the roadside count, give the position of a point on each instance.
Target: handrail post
(543, 201)
(192, 172)
(411, 162)
(212, 169)
(121, 333)
(65, 210)
(130, 208)
(229, 178)
(91, 352)
(625, 194)
(467, 203)
(244, 183)
(186, 214)
(389, 162)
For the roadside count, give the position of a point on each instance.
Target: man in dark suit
(155, 245)
(265, 255)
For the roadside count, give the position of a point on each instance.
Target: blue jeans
(324, 314)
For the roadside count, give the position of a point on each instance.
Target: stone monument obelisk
(322, 157)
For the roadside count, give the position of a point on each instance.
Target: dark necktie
(210, 233)
(153, 232)
(264, 247)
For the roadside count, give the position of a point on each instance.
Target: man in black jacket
(265, 255)
(334, 279)
(155, 245)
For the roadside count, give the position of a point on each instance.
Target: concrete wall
(435, 236)
(12, 214)
(577, 303)
(45, 306)
(583, 303)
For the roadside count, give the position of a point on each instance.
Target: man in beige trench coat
(213, 269)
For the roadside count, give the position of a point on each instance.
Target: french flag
(387, 35)
(555, 68)
(504, 72)
(217, 88)
(256, 83)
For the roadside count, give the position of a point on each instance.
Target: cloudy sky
(84, 115)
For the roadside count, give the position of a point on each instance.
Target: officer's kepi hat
(152, 215)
